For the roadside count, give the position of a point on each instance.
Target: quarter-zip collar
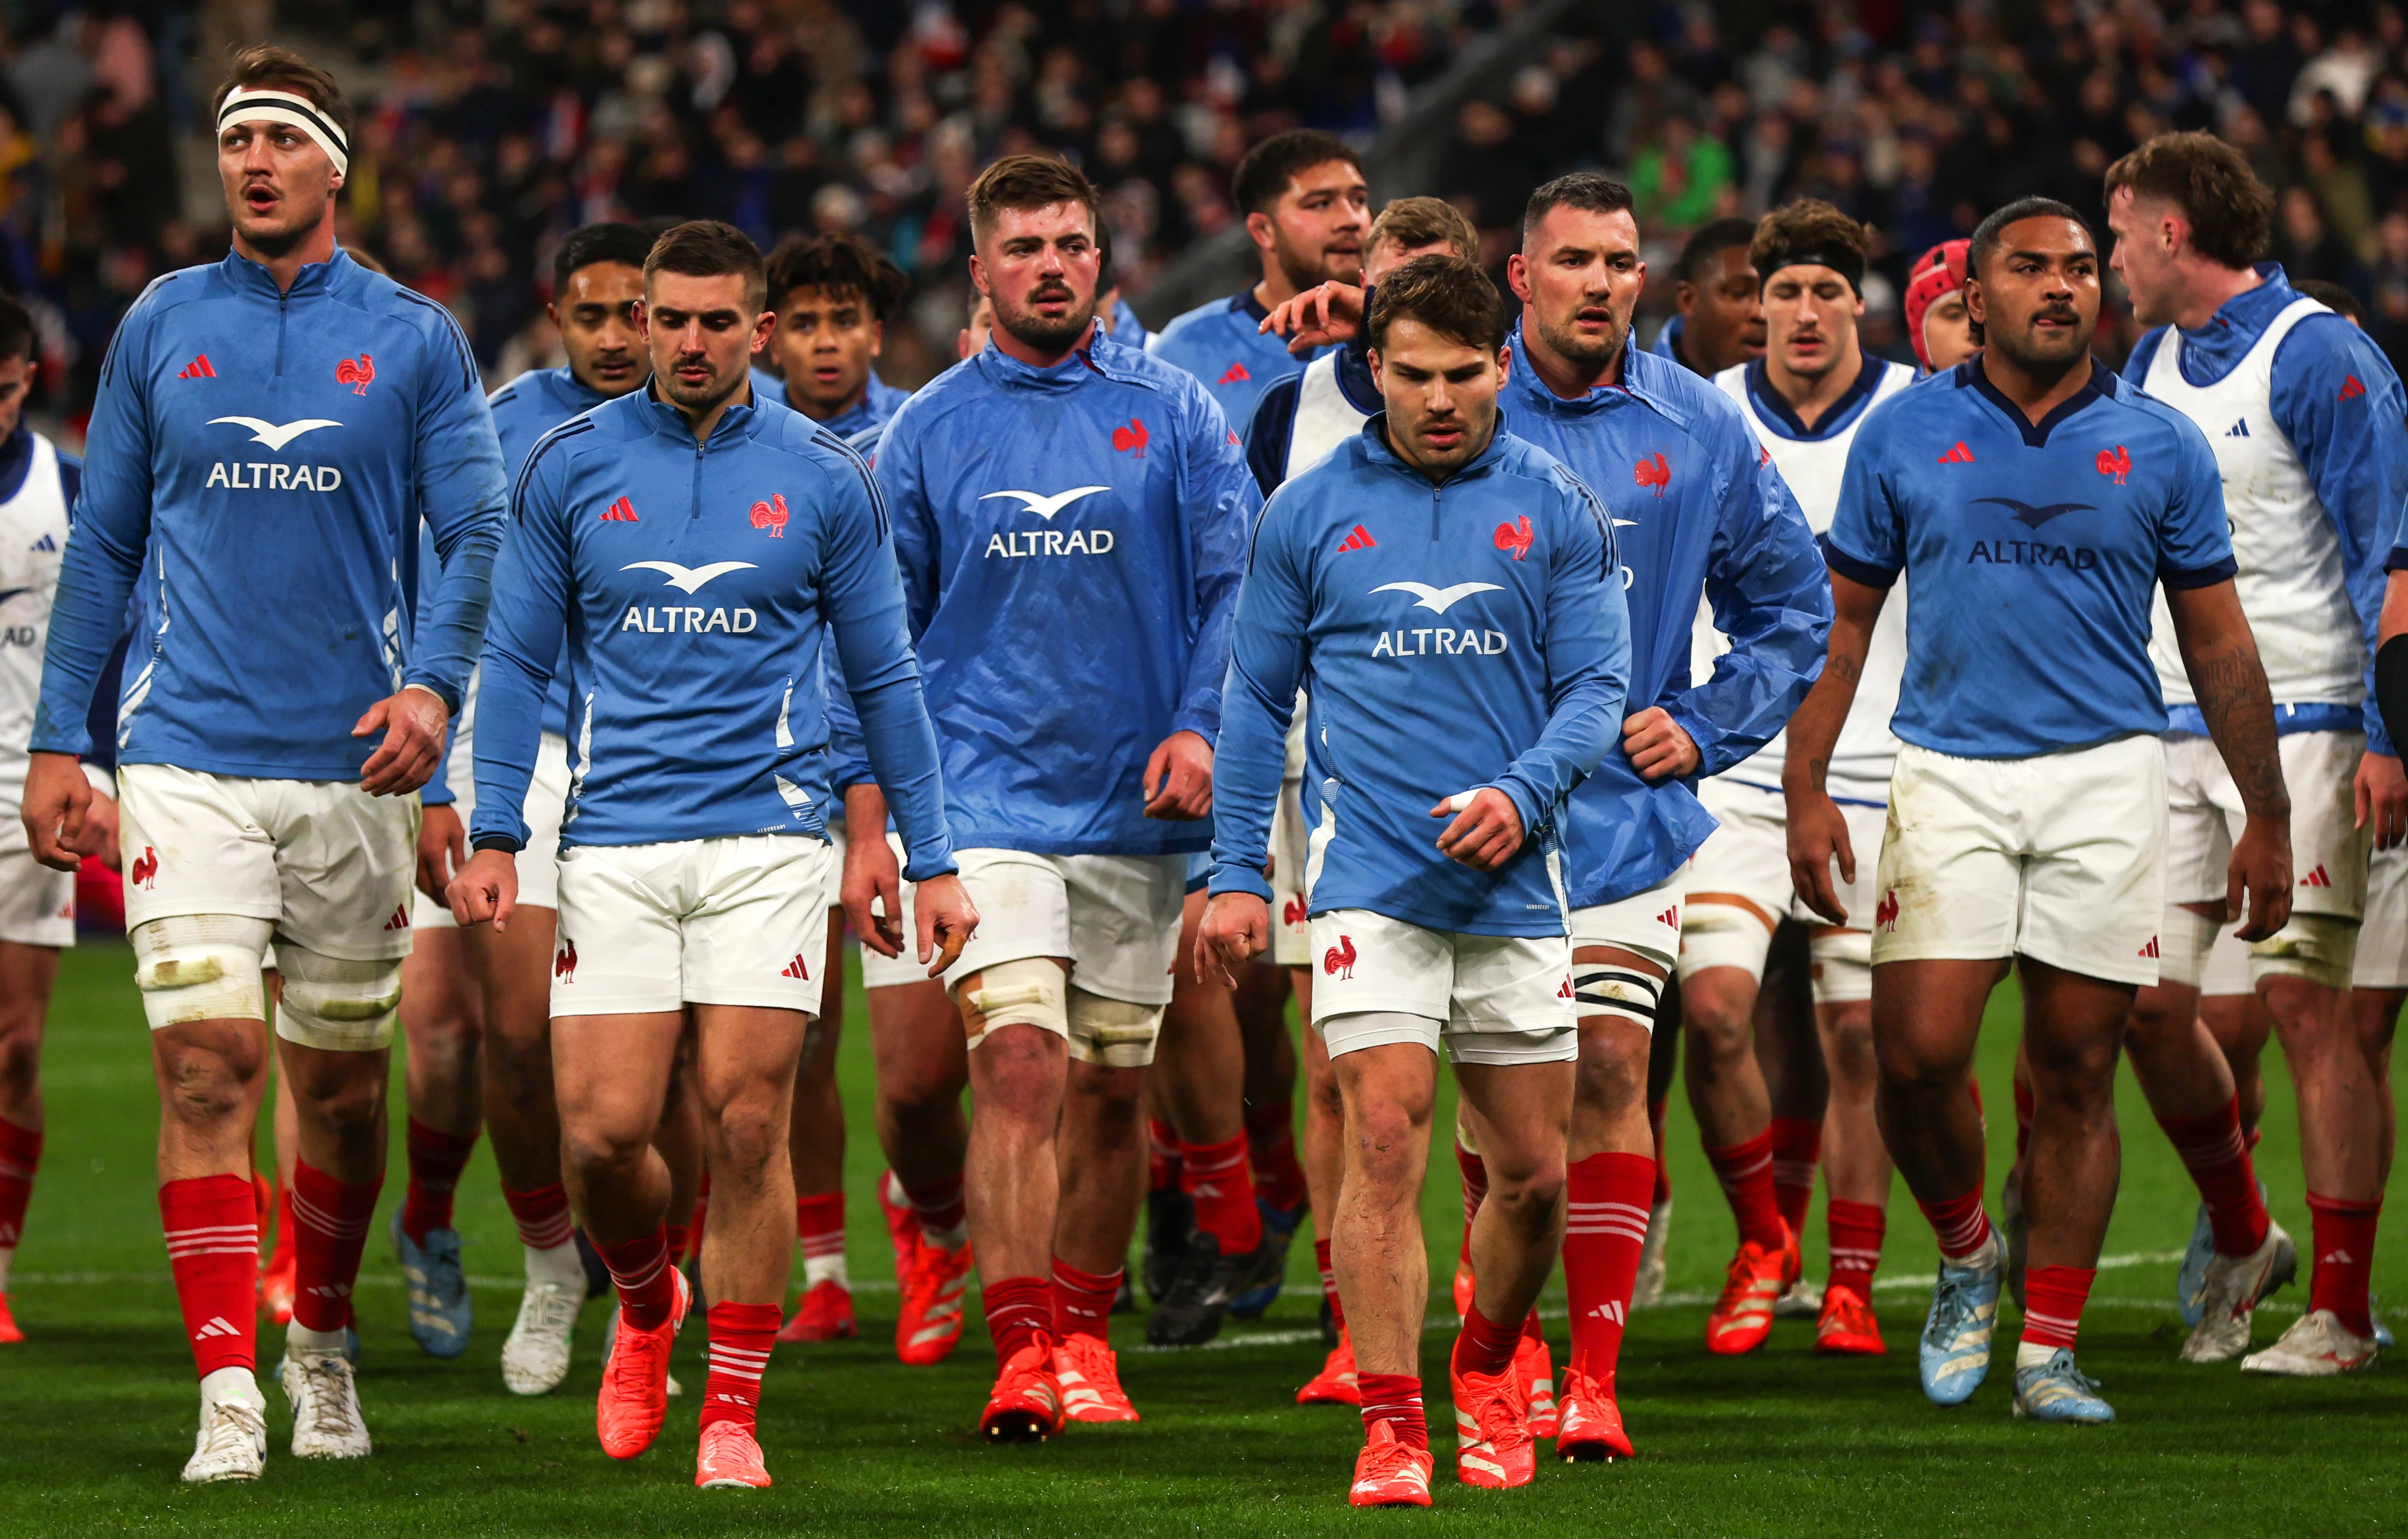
(577, 395)
(1375, 439)
(1528, 392)
(737, 420)
(247, 276)
(1096, 360)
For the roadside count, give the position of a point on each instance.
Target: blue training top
(1218, 344)
(2034, 551)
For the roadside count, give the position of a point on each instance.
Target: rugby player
(1306, 208)
(2027, 824)
(38, 485)
(320, 410)
(2304, 413)
(1059, 484)
(1718, 304)
(695, 862)
(1805, 401)
(1935, 309)
(1487, 722)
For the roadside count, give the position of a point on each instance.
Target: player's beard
(1590, 352)
(1034, 332)
(2043, 359)
(1311, 269)
(723, 382)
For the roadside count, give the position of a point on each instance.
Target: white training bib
(33, 538)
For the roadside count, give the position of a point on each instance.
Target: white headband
(285, 107)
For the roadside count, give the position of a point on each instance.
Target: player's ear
(1504, 362)
(877, 337)
(1517, 276)
(1259, 227)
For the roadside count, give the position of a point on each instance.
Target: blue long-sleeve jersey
(1696, 504)
(696, 586)
(2336, 398)
(1450, 636)
(258, 464)
(1071, 541)
(1220, 345)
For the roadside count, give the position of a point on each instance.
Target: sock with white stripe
(212, 1224)
(640, 1270)
(1606, 1198)
(330, 1230)
(741, 1336)
(2053, 1301)
(819, 1222)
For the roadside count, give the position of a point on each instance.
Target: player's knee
(594, 1148)
(21, 1050)
(192, 967)
(1112, 1034)
(336, 1004)
(1717, 1020)
(2075, 1071)
(2317, 948)
(1612, 1067)
(1026, 992)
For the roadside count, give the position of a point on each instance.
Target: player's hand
(1330, 312)
(1486, 831)
(442, 849)
(1235, 930)
(413, 722)
(102, 815)
(872, 877)
(2382, 789)
(1659, 746)
(1818, 835)
(1179, 778)
(2262, 864)
(56, 811)
(947, 920)
(486, 890)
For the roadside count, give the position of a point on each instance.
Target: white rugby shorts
(547, 800)
(1115, 917)
(741, 919)
(1647, 923)
(2382, 960)
(895, 972)
(36, 904)
(1739, 887)
(329, 865)
(1488, 998)
(2329, 852)
(2060, 857)
(1291, 894)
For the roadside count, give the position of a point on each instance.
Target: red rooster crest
(1130, 439)
(771, 515)
(1886, 911)
(1295, 912)
(356, 373)
(2116, 462)
(565, 964)
(1515, 536)
(1656, 473)
(146, 869)
(1338, 961)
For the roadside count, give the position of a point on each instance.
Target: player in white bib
(38, 493)
(2303, 414)
(1805, 399)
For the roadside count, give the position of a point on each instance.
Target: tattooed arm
(2222, 657)
(1819, 834)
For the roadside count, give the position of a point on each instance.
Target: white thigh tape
(336, 1004)
(200, 968)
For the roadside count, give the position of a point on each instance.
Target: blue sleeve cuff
(1526, 804)
(447, 691)
(1205, 725)
(2198, 576)
(2397, 559)
(1855, 568)
(1237, 879)
(943, 865)
(433, 795)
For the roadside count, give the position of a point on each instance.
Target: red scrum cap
(1936, 274)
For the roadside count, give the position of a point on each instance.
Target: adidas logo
(2151, 949)
(1359, 540)
(2238, 430)
(795, 969)
(199, 369)
(1566, 992)
(2336, 1258)
(1669, 919)
(1961, 455)
(46, 543)
(2319, 877)
(1611, 1310)
(1238, 374)
(622, 511)
(2350, 388)
(217, 1327)
(400, 919)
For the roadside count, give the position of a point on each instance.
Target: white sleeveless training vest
(1861, 760)
(1325, 418)
(2293, 582)
(32, 535)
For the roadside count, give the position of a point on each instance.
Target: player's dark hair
(1991, 233)
(1265, 170)
(705, 248)
(2333, 298)
(265, 67)
(613, 240)
(1450, 296)
(2232, 213)
(1030, 182)
(1583, 189)
(16, 329)
(1409, 222)
(1812, 232)
(1712, 240)
(838, 263)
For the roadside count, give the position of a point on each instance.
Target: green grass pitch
(96, 1410)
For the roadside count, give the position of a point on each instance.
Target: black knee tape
(1617, 991)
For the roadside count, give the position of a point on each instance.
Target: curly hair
(1809, 227)
(2232, 213)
